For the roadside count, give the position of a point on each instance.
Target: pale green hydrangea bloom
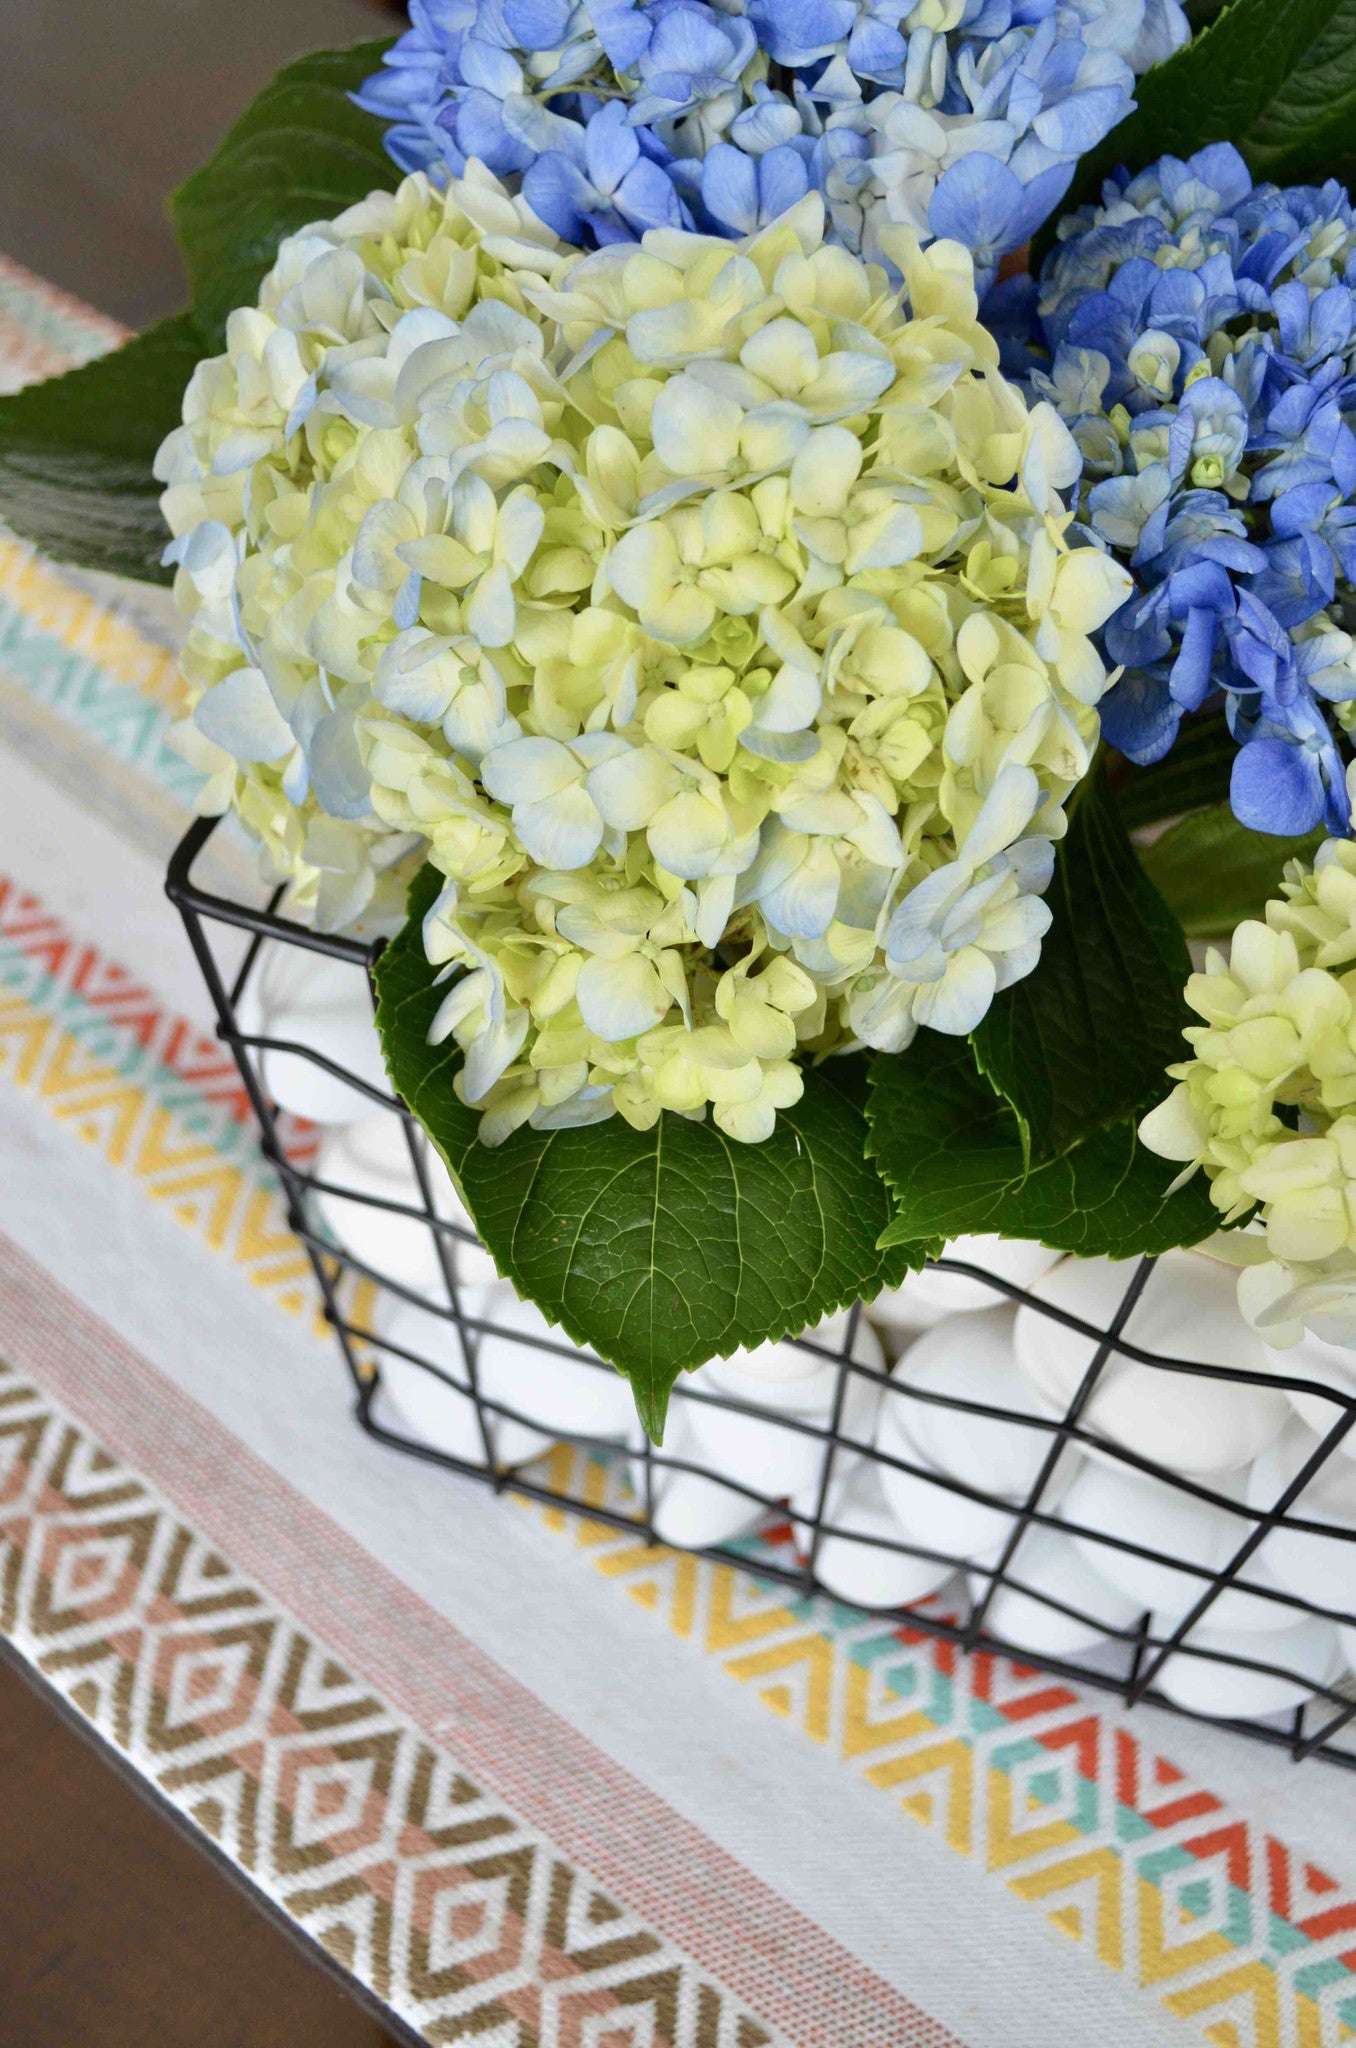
(702, 611)
(1267, 1102)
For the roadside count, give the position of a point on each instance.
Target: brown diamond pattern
(466, 1919)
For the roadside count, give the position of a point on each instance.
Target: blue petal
(538, 24)
(481, 132)
(730, 187)
(782, 181)
(1299, 579)
(1220, 166)
(341, 784)
(1040, 197)
(1190, 678)
(610, 147)
(488, 68)
(1276, 787)
(876, 50)
(764, 124)
(414, 149)
(1344, 461)
(623, 29)
(1139, 716)
(975, 203)
(1136, 634)
(1301, 510)
(558, 193)
(795, 32)
(688, 40)
(389, 94)
(1081, 121)
(647, 199)
(405, 610)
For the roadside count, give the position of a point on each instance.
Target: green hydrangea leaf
(301, 152)
(1214, 872)
(1082, 1042)
(951, 1153)
(658, 1249)
(76, 452)
(1195, 772)
(1275, 77)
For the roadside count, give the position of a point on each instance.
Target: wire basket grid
(1127, 1658)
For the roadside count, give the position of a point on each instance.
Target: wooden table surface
(116, 1932)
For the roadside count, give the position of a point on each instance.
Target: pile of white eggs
(946, 1420)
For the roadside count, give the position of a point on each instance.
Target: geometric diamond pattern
(1245, 1942)
(467, 1921)
(146, 1091)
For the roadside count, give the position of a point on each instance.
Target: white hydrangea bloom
(702, 611)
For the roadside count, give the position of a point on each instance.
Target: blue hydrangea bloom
(600, 183)
(969, 132)
(1198, 335)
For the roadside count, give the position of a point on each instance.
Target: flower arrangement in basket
(789, 560)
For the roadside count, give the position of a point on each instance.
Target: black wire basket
(435, 1330)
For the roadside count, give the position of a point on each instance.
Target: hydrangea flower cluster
(958, 118)
(1267, 1101)
(1204, 356)
(702, 612)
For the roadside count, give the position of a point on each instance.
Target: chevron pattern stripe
(47, 604)
(145, 1090)
(465, 1920)
(116, 689)
(1049, 1794)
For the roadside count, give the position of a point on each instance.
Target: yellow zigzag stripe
(1100, 1868)
(85, 625)
(1160, 1960)
(211, 1196)
(801, 1673)
(1252, 1981)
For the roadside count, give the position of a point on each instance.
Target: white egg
(1048, 1563)
(1185, 1421)
(1313, 1567)
(378, 1142)
(865, 1573)
(923, 1299)
(444, 1416)
(1133, 1507)
(776, 1457)
(970, 1357)
(690, 1510)
(324, 1005)
(565, 1391)
(1314, 1358)
(1307, 1655)
(789, 1358)
(1019, 1260)
(933, 1515)
(398, 1248)
(902, 1313)
(931, 1511)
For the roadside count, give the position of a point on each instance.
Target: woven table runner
(528, 1780)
